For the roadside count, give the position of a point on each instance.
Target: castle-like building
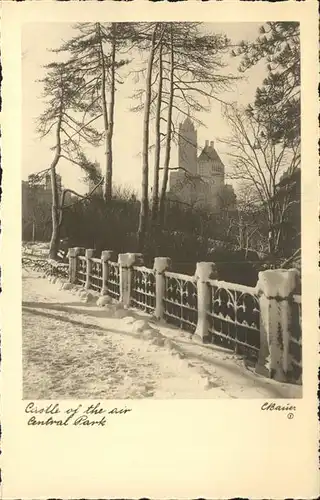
(38, 190)
(199, 180)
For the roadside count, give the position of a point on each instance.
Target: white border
(163, 449)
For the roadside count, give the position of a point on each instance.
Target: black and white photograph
(158, 254)
(161, 226)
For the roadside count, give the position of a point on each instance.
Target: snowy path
(73, 349)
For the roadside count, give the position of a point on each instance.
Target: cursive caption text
(94, 415)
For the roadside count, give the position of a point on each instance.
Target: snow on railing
(261, 323)
(295, 342)
(143, 289)
(234, 317)
(113, 280)
(180, 300)
(81, 270)
(96, 274)
(48, 266)
(58, 269)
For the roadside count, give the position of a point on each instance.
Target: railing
(96, 274)
(143, 289)
(58, 269)
(234, 318)
(81, 270)
(48, 266)
(112, 284)
(231, 315)
(295, 343)
(181, 301)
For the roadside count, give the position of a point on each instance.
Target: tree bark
(168, 137)
(107, 189)
(55, 236)
(155, 189)
(144, 206)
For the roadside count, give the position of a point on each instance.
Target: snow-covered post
(126, 262)
(89, 255)
(106, 255)
(204, 272)
(275, 288)
(73, 254)
(77, 251)
(161, 265)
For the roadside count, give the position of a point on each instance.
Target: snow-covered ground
(73, 348)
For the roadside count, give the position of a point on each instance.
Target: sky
(39, 38)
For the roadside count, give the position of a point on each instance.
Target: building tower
(211, 171)
(210, 165)
(47, 182)
(188, 146)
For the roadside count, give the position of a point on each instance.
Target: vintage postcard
(159, 253)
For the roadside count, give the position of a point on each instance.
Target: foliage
(277, 102)
(94, 55)
(182, 71)
(61, 92)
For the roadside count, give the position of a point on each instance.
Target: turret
(210, 164)
(188, 146)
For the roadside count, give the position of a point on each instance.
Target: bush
(189, 237)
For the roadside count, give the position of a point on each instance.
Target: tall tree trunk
(168, 137)
(155, 189)
(144, 206)
(272, 220)
(33, 231)
(55, 236)
(108, 153)
(108, 187)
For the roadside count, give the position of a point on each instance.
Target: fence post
(126, 261)
(78, 251)
(161, 264)
(73, 253)
(204, 272)
(89, 254)
(275, 288)
(106, 255)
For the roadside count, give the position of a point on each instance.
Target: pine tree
(63, 116)
(93, 54)
(277, 101)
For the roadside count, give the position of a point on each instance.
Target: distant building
(36, 205)
(199, 180)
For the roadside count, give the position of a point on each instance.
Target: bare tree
(145, 140)
(61, 92)
(259, 162)
(246, 225)
(93, 55)
(193, 81)
(189, 79)
(155, 190)
(167, 157)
